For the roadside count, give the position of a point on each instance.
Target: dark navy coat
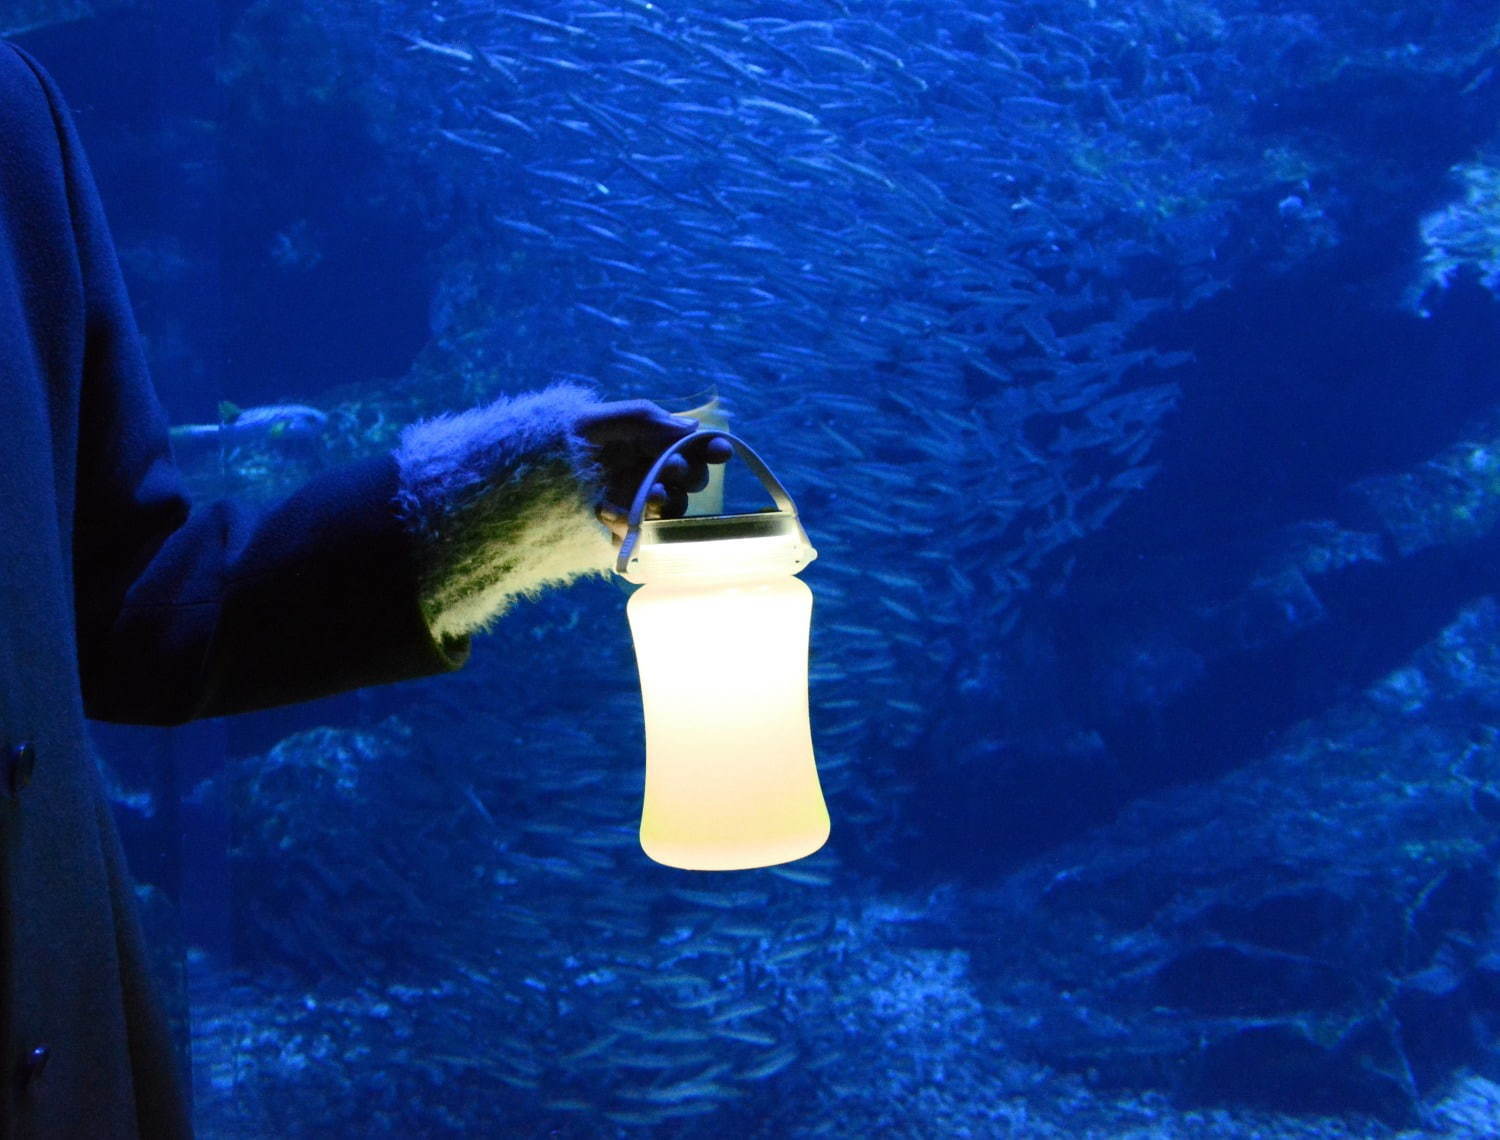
(115, 603)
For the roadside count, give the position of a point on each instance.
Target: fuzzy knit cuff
(501, 499)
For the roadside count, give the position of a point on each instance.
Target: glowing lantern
(730, 778)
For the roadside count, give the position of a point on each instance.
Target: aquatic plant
(1463, 236)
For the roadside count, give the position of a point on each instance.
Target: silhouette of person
(119, 603)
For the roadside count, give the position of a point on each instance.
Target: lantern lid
(712, 547)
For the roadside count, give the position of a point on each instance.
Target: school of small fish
(898, 239)
(903, 242)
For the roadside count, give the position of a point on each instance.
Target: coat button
(33, 1065)
(22, 765)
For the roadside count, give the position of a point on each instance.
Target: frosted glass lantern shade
(730, 777)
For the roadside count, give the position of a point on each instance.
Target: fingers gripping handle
(746, 455)
(754, 462)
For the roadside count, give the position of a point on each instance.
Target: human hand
(627, 437)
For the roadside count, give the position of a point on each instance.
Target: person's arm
(509, 499)
(368, 574)
(180, 614)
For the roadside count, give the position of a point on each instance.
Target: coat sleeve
(184, 614)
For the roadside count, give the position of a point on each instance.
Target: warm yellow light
(720, 626)
(730, 777)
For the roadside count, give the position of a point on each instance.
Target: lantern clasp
(717, 545)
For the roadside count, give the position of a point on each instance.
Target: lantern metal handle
(745, 453)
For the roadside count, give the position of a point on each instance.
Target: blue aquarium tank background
(1135, 365)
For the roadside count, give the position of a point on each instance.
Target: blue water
(1136, 371)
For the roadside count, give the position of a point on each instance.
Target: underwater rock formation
(1463, 236)
(1261, 947)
